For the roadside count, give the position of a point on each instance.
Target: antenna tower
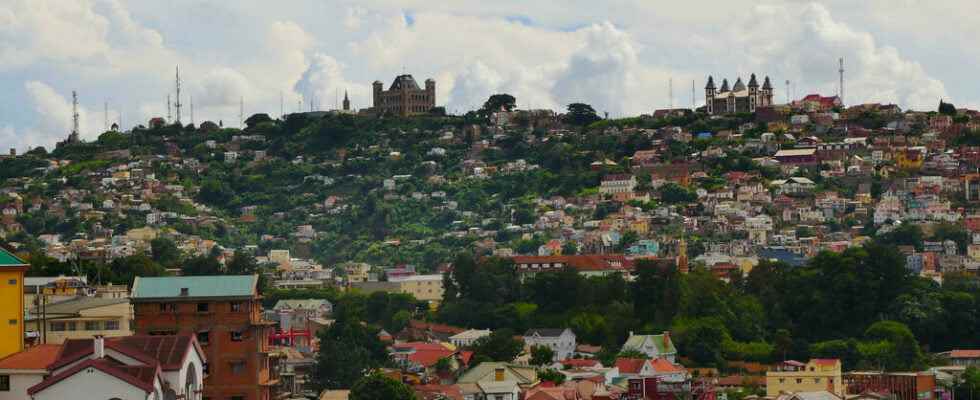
(281, 116)
(105, 117)
(241, 112)
(177, 105)
(169, 116)
(840, 92)
(670, 93)
(74, 112)
(787, 92)
(694, 101)
(192, 110)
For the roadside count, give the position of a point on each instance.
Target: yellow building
(909, 158)
(12, 271)
(423, 287)
(817, 375)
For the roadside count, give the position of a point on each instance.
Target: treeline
(861, 305)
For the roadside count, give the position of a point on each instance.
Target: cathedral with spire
(740, 98)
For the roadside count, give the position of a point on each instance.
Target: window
(57, 326)
(799, 380)
(12, 281)
(92, 325)
(71, 326)
(112, 325)
(236, 336)
(816, 380)
(12, 322)
(202, 307)
(782, 380)
(237, 367)
(4, 383)
(236, 398)
(203, 337)
(166, 307)
(236, 307)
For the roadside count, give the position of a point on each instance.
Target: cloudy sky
(617, 55)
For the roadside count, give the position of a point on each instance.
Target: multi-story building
(12, 271)
(816, 375)
(404, 97)
(81, 317)
(899, 385)
(224, 313)
(423, 287)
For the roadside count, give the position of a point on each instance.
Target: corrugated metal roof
(10, 260)
(197, 286)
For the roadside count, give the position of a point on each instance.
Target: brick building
(224, 312)
(900, 385)
(404, 97)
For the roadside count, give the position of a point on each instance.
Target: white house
(561, 341)
(132, 367)
(466, 338)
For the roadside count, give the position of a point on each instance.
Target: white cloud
(803, 43)
(57, 109)
(324, 83)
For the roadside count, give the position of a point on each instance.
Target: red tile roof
(825, 361)
(586, 262)
(37, 357)
(964, 353)
(630, 365)
(425, 354)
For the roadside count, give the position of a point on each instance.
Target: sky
(621, 56)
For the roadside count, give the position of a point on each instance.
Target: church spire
(346, 102)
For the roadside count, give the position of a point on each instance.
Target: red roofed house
(587, 265)
(816, 102)
(420, 355)
(131, 367)
(656, 367)
(24, 369)
(956, 357)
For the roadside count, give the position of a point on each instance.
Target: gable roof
(37, 358)
(524, 375)
(545, 332)
(7, 259)
(224, 286)
(142, 377)
(630, 365)
(662, 343)
(167, 350)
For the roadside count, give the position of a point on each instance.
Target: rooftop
(195, 287)
(36, 358)
(9, 260)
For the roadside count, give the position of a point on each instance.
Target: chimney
(98, 349)
(498, 375)
(184, 291)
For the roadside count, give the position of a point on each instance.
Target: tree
(165, 252)
(782, 344)
(581, 114)
(257, 119)
(904, 354)
(498, 102)
(242, 263)
(541, 355)
(379, 387)
(348, 351)
(551, 375)
(672, 193)
(498, 346)
(569, 248)
(202, 265)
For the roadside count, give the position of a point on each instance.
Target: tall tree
(581, 114)
(376, 386)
